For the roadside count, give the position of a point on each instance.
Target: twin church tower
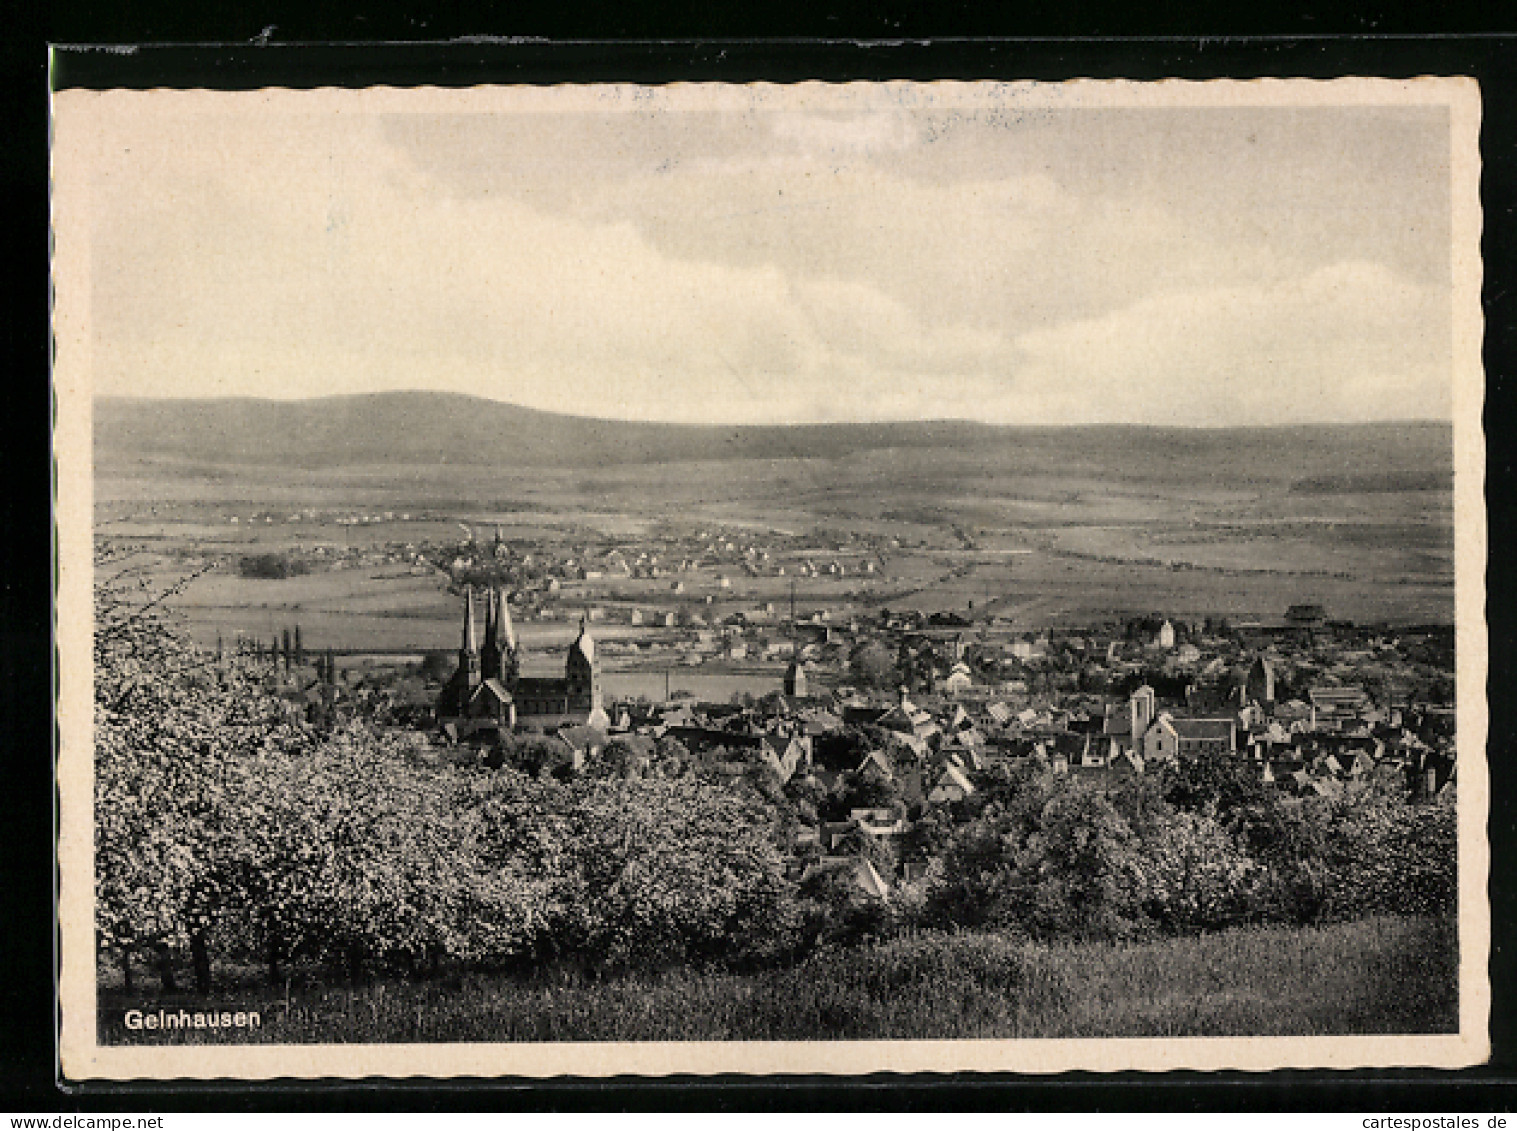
(488, 692)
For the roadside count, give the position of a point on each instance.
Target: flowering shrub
(1195, 876)
(1385, 856)
(1057, 858)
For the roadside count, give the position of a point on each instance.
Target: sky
(633, 254)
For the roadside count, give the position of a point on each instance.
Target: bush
(641, 872)
(1196, 877)
(1385, 855)
(271, 566)
(1196, 850)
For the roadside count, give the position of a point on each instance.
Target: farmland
(1046, 527)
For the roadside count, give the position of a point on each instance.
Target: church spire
(468, 655)
(471, 643)
(504, 630)
(490, 653)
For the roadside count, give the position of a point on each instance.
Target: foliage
(1198, 848)
(271, 566)
(638, 872)
(1387, 857)
(871, 665)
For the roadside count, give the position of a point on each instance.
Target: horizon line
(243, 398)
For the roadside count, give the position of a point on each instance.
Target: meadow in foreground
(1392, 975)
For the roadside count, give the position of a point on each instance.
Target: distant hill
(423, 428)
(429, 428)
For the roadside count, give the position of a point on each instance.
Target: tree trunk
(276, 975)
(166, 977)
(200, 958)
(126, 970)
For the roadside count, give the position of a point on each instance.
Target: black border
(27, 1068)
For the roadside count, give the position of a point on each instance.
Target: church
(488, 693)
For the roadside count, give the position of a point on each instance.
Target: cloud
(289, 256)
(1350, 341)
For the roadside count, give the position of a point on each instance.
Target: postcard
(823, 578)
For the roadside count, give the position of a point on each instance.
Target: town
(877, 724)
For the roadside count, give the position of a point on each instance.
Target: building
(1334, 707)
(487, 692)
(1306, 616)
(1259, 683)
(795, 681)
(1170, 737)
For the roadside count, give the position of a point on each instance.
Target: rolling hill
(431, 429)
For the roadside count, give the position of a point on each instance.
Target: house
(952, 786)
(869, 880)
(861, 872)
(1333, 707)
(907, 718)
(878, 822)
(877, 766)
(587, 742)
(959, 680)
(784, 762)
(833, 832)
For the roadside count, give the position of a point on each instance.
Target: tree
(641, 873)
(871, 665)
(1209, 781)
(1058, 861)
(1194, 876)
(436, 666)
(171, 729)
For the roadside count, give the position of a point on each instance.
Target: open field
(1049, 525)
(1388, 975)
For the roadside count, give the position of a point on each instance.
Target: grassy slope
(1378, 976)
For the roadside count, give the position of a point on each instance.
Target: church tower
(582, 671)
(468, 654)
(503, 643)
(1142, 710)
(489, 654)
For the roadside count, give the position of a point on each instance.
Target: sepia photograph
(818, 578)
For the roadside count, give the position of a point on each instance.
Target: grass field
(1380, 976)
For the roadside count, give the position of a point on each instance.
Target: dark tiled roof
(1203, 728)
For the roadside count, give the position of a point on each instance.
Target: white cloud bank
(297, 257)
